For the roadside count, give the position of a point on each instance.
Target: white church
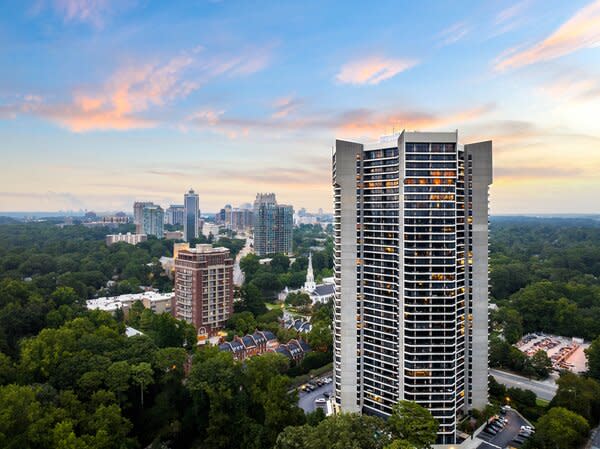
(321, 293)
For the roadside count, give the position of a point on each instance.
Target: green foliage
(414, 424)
(560, 429)
(547, 270)
(593, 359)
(233, 245)
(246, 406)
(297, 299)
(505, 355)
(343, 431)
(578, 394)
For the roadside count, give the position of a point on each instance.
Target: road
(306, 401)
(543, 389)
(238, 274)
(506, 435)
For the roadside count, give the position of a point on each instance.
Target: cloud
(529, 172)
(359, 122)
(511, 12)
(579, 32)
(575, 85)
(367, 123)
(372, 70)
(94, 12)
(284, 106)
(454, 33)
(127, 98)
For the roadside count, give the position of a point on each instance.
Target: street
(543, 389)
(306, 401)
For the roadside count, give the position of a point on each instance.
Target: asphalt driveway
(506, 435)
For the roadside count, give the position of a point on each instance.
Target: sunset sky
(103, 102)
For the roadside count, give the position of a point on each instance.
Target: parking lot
(506, 436)
(306, 399)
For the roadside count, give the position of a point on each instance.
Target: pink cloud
(579, 32)
(372, 70)
(125, 100)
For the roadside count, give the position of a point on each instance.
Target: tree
(593, 359)
(541, 363)
(342, 431)
(117, 378)
(578, 394)
(142, 375)
(252, 299)
(320, 337)
(280, 263)
(413, 423)
(297, 299)
(560, 429)
(249, 264)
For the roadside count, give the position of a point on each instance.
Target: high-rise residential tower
(273, 225)
(153, 220)
(175, 214)
(191, 222)
(411, 273)
(138, 214)
(204, 287)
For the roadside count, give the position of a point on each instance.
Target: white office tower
(411, 273)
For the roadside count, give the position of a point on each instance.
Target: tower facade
(153, 219)
(138, 214)
(204, 287)
(411, 273)
(191, 204)
(273, 226)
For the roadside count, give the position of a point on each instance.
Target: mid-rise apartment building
(273, 225)
(411, 274)
(204, 287)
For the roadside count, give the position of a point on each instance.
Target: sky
(103, 102)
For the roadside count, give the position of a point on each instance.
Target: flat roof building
(204, 287)
(411, 275)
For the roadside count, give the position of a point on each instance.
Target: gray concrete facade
(479, 159)
(345, 302)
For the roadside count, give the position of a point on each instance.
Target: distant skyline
(112, 101)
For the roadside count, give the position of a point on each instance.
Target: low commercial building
(157, 302)
(131, 239)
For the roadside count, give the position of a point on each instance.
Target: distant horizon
(58, 214)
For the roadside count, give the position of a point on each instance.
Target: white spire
(310, 285)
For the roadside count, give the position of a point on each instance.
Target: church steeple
(310, 285)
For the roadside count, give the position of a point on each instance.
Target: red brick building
(204, 287)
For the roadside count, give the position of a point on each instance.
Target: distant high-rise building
(191, 205)
(273, 225)
(411, 274)
(138, 214)
(175, 214)
(153, 219)
(204, 287)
